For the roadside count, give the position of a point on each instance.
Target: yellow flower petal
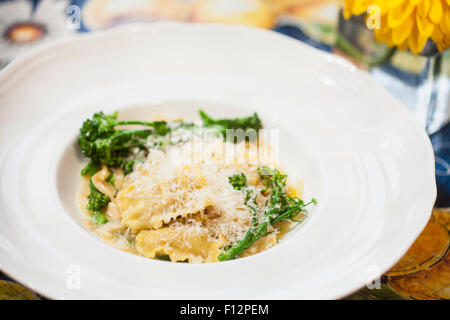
(360, 6)
(436, 11)
(416, 42)
(437, 35)
(401, 33)
(403, 46)
(424, 26)
(398, 15)
(424, 7)
(382, 33)
(347, 12)
(445, 23)
(394, 3)
(444, 45)
(441, 39)
(382, 5)
(384, 37)
(383, 21)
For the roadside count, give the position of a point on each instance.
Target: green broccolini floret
(103, 143)
(99, 218)
(245, 123)
(90, 169)
(97, 202)
(278, 207)
(238, 181)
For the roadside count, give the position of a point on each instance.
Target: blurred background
(401, 43)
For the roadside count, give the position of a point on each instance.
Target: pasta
(181, 201)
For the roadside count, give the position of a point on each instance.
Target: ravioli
(181, 242)
(151, 201)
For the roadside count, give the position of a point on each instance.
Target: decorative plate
(359, 151)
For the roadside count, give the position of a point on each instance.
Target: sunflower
(407, 23)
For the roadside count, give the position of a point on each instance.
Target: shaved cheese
(179, 202)
(182, 180)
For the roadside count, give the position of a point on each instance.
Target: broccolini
(278, 207)
(251, 122)
(103, 143)
(97, 202)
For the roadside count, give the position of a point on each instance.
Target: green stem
(351, 50)
(244, 243)
(348, 48)
(250, 238)
(382, 59)
(142, 123)
(290, 213)
(160, 127)
(237, 249)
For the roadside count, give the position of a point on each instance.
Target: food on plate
(185, 192)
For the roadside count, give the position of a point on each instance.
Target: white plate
(359, 151)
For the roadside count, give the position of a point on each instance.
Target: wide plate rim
(136, 28)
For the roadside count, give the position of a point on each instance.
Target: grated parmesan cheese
(179, 202)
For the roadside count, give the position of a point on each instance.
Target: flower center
(24, 32)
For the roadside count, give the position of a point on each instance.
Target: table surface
(424, 271)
